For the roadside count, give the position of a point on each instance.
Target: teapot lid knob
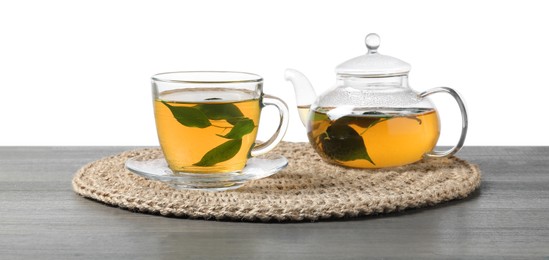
(373, 64)
(372, 42)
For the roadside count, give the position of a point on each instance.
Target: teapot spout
(304, 92)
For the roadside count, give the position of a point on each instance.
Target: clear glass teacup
(207, 123)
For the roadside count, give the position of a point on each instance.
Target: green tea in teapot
(373, 137)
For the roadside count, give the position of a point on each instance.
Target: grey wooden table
(40, 217)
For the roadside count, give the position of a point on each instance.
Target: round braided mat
(307, 190)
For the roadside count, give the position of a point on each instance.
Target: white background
(78, 72)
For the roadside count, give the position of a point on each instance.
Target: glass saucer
(256, 168)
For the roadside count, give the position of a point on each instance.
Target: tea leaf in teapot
(241, 128)
(220, 111)
(383, 116)
(319, 116)
(375, 113)
(413, 118)
(363, 122)
(341, 142)
(189, 116)
(221, 153)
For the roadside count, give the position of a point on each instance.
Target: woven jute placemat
(307, 190)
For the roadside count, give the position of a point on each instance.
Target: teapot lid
(373, 64)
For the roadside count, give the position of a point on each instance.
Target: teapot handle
(464, 121)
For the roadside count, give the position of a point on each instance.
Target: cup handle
(267, 146)
(464, 124)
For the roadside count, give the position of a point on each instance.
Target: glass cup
(207, 121)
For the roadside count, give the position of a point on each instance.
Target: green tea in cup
(207, 121)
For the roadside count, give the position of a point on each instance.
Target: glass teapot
(372, 118)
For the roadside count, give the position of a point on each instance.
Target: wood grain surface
(42, 218)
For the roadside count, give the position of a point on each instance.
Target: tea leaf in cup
(250, 150)
(221, 153)
(189, 116)
(234, 120)
(341, 142)
(220, 111)
(242, 127)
